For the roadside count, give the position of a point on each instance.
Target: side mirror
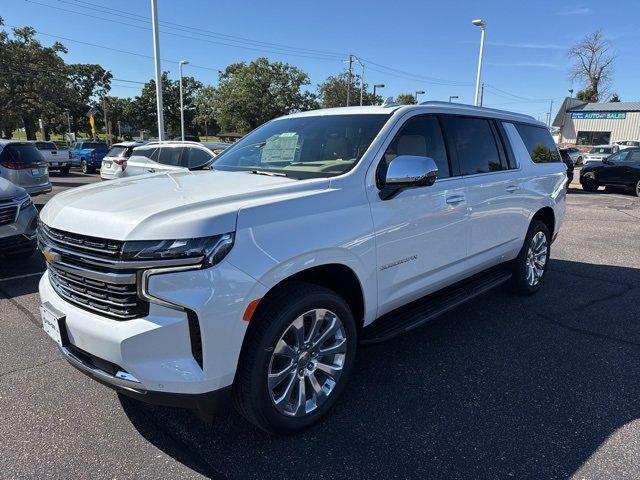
(408, 171)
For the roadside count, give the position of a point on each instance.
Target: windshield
(304, 147)
(600, 150)
(118, 152)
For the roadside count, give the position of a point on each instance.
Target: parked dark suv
(622, 169)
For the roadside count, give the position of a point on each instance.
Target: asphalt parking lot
(503, 387)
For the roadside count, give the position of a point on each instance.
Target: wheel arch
(547, 216)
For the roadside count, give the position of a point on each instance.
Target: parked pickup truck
(315, 233)
(57, 158)
(88, 155)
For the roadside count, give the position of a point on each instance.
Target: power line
(215, 34)
(115, 49)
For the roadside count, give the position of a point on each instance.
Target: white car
(624, 144)
(115, 161)
(599, 153)
(315, 232)
(57, 158)
(158, 157)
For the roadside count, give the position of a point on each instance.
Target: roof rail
(474, 107)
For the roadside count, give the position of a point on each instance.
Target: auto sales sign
(598, 115)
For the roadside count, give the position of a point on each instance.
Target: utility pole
(104, 107)
(482, 94)
(119, 130)
(349, 79)
(361, 81)
(182, 63)
(156, 60)
(550, 108)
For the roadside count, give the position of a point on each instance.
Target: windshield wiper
(270, 174)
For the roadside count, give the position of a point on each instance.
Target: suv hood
(9, 191)
(179, 204)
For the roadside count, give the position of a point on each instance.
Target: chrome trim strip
(115, 278)
(143, 285)
(121, 381)
(121, 306)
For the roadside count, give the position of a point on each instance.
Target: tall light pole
(104, 106)
(419, 92)
(182, 63)
(451, 97)
(376, 86)
(483, 26)
(156, 61)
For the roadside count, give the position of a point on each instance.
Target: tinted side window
(634, 157)
(474, 143)
(539, 142)
(170, 156)
(197, 158)
(150, 153)
(420, 136)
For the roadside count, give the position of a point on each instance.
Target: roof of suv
(137, 143)
(430, 106)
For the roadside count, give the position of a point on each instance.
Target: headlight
(211, 249)
(25, 202)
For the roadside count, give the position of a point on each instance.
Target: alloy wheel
(537, 258)
(306, 363)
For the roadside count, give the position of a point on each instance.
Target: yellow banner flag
(92, 122)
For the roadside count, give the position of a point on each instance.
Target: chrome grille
(8, 213)
(87, 272)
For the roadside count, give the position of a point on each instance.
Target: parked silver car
(22, 164)
(18, 221)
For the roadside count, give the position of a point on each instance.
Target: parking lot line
(18, 277)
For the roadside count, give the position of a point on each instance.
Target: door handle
(455, 199)
(512, 188)
(151, 170)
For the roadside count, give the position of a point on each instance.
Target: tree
(333, 92)
(33, 81)
(87, 83)
(406, 99)
(204, 120)
(251, 94)
(615, 98)
(143, 108)
(587, 95)
(592, 64)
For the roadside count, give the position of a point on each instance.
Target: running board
(431, 306)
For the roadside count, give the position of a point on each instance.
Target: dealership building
(584, 123)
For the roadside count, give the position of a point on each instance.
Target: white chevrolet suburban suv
(315, 233)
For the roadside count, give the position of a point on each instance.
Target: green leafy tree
(204, 121)
(587, 95)
(249, 95)
(406, 99)
(87, 83)
(33, 82)
(143, 109)
(333, 92)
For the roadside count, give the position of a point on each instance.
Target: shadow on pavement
(503, 386)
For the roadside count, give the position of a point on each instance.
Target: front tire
(532, 263)
(297, 358)
(589, 182)
(638, 189)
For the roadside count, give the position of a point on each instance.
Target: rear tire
(285, 353)
(532, 263)
(87, 169)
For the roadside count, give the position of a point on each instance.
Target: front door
(421, 232)
(613, 169)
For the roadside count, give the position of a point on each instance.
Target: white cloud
(575, 11)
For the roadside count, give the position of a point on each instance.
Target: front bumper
(20, 236)
(156, 350)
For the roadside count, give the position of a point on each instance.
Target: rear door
(492, 186)
(612, 171)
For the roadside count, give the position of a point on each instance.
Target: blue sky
(430, 45)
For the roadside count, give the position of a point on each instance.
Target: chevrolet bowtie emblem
(51, 257)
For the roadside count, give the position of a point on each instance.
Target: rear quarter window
(539, 143)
